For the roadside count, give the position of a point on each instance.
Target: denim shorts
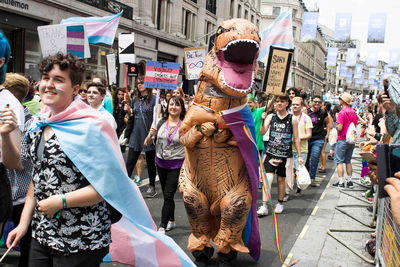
(343, 152)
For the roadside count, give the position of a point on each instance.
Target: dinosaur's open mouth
(236, 60)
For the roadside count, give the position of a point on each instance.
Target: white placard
(126, 48)
(53, 39)
(112, 72)
(194, 61)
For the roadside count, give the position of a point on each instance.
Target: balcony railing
(111, 6)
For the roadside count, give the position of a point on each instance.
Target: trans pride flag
(279, 33)
(99, 29)
(91, 143)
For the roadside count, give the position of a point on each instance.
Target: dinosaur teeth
(239, 41)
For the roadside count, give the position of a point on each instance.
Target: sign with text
(126, 48)
(161, 75)
(64, 38)
(111, 68)
(277, 70)
(194, 61)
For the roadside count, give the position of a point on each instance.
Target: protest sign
(194, 61)
(161, 75)
(64, 38)
(112, 72)
(277, 70)
(126, 47)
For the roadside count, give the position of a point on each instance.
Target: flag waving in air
(279, 33)
(99, 29)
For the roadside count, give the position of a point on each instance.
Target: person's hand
(361, 145)
(15, 236)
(8, 121)
(388, 104)
(373, 173)
(51, 205)
(370, 131)
(153, 131)
(148, 141)
(264, 115)
(393, 190)
(301, 161)
(126, 108)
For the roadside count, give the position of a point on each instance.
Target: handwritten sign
(194, 61)
(54, 39)
(277, 70)
(161, 75)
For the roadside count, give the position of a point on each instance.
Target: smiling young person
(61, 202)
(170, 155)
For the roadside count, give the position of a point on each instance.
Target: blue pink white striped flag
(279, 33)
(161, 75)
(76, 40)
(86, 138)
(99, 29)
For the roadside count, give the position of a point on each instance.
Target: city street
(291, 222)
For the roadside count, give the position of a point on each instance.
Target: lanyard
(171, 134)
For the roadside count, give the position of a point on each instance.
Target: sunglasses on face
(140, 83)
(318, 102)
(83, 91)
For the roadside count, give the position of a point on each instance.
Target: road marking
(328, 185)
(322, 196)
(314, 211)
(303, 232)
(288, 259)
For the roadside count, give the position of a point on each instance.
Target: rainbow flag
(279, 33)
(92, 145)
(99, 29)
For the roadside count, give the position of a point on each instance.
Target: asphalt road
(291, 222)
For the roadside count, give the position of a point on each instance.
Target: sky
(361, 10)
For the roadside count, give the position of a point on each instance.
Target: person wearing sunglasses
(83, 92)
(319, 119)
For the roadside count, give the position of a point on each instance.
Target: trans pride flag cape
(91, 143)
(240, 120)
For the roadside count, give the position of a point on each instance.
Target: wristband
(64, 201)
(198, 127)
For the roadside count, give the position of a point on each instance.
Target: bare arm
(296, 138)
(308, 134)
(329, 125)
(339, 127)
(10, 140)
(263, 130)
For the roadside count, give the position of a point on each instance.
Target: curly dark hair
(69, 62)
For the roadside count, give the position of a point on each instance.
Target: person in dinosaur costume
(218, 179)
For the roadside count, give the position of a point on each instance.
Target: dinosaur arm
(190, 138)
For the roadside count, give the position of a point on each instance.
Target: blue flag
(358, 71)
(343, 27)
(372, 58)
(343, 70)
(309, 26)
(376, 28)
(394, 57)
(351, 57)
(332, 56)
(349, 77)
(372, 73)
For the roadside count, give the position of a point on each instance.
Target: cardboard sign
(126, 47)
(64, 38)
(112, 72)
(161, 75)
(277, 70)
(194, 61)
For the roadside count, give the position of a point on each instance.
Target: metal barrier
(388, 237)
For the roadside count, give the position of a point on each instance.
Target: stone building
(308, 65)
(163, 28)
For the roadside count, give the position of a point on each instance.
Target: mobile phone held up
(388, 159)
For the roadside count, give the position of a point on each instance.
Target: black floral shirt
(77, 229)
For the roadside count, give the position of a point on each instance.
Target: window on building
(276, 11)
(194, 1)
(232, 10)
(246, 14)
(239, 11)
(294, 13)
(164, 8)
(211, 5)
(188, 24)
(252, 18)
(258, 24)
(294, 32)
(209, 28)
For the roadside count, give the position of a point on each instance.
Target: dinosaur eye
(221, 30)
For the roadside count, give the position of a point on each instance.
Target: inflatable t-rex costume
(214, 180)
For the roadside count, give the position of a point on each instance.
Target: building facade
(163, 28)
(308, 65)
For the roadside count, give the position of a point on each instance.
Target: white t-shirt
(6, 97)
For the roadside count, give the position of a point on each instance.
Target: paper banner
(372, 58)
(126, 48)
(332, 56)
(161, 75)
(343, 27)
(351, 57)
(376, 28)
(64, 38)
(111, 68)
(358, 71)
(194, 61)
(309, 26)
(342, 70)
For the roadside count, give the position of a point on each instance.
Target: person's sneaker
(138, 180)
(350, 184)
(161, 230)
(322, 170)
(338, 184)
(262, 211)
(171, 225)
(151, 192)
(286, 198)
(367, 193)
(279, 208)
(314, 183)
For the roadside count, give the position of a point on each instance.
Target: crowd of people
(38, 179)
